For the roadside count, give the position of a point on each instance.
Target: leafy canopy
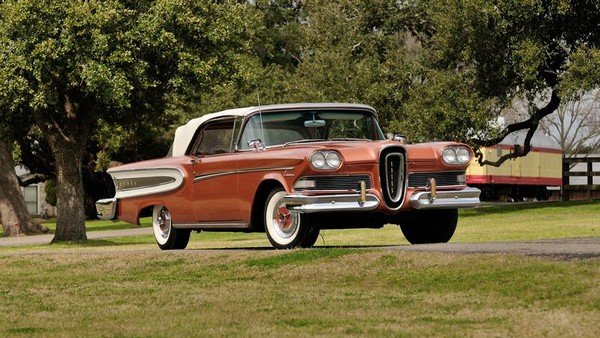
(493, 51)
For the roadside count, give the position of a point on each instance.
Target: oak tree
(478, 55)
(74, 62)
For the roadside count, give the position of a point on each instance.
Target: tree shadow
(320, 247)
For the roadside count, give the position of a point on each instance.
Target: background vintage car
(291, 170)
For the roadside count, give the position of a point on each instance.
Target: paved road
(568, 248)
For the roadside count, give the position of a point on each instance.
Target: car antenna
(262, 127)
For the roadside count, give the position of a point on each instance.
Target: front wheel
(286, 229)
(431, 226)
(167, 237)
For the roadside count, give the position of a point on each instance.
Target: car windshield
(310, 126)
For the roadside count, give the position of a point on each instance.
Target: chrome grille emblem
(394, 174)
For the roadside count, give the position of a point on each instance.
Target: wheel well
(145, 212)
(258, 204)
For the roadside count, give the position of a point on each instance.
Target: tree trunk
(67, 136)
(70, 223)
(14, 216)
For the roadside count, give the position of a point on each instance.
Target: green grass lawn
(128, 291)
(508, 222)
(98, 224)
(484, 224)
(127, 287)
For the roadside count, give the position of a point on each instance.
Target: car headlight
(463, 155)
(449, 155)
(456, 155)
(318, 161)
(325, 160)
(333, 160)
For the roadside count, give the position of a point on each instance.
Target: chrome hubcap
(285, 221)
(164, 223)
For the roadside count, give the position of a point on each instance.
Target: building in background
(35, 197)
(537, 176)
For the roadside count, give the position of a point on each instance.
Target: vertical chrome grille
(394, 173)
(392, 169)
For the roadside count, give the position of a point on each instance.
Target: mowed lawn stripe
(299, 292)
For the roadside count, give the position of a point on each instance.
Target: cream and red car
(291, 170)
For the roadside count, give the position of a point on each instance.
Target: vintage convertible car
(291, 170)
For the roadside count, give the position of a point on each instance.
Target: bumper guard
(450, 199)
(328, 203)
(106, 208)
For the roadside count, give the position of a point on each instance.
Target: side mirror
(396, 137)
(257, 144)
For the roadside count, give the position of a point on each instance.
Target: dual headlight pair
(325, 160)
(331, 160)
(456, 155)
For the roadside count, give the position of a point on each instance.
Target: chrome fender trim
(446, 199)
(141, 182)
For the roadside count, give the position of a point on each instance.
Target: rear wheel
(167, 237)
(286, 229)
(431, 226)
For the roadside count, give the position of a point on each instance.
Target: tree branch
(28, 179)
(530, 125)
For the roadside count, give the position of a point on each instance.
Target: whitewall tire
(286, 229)
(167, 237)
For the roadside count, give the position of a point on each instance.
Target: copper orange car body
(226, 191)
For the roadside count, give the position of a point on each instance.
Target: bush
(50, 190)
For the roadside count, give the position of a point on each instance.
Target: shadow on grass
(323, 247)
(490, 209)
(116, 226)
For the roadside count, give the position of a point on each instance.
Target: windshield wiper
(307, 140)
(348, 139)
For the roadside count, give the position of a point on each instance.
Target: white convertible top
(185, 133)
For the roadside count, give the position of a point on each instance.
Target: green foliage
(444, 107)
(340, 51)
(433, 69)
(16, 153)
(116, 60)
(50, 190)
(490, 52)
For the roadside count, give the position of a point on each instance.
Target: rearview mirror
(314, 123)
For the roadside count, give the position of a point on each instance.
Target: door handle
(195, 160)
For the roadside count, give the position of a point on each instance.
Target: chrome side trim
(211, 225)
(198, 178)
(207, 176)
(106, 208)
(328, 203)
(446, 199)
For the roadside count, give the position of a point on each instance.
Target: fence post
(565, 180)
(590, 180)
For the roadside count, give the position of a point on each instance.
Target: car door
(215, 185)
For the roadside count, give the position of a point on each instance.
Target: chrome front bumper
(106, 208)
(449, 199)
(327, 203)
